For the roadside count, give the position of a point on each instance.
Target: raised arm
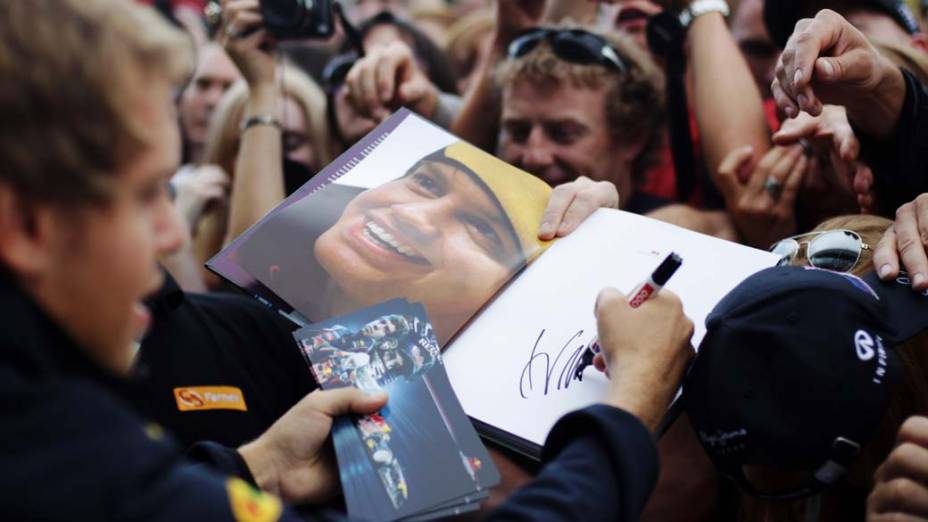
(258, 184)
(726, 101)
(478, 120)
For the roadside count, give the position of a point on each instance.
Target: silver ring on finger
(231, 30)
(773, 187)
(213, 13)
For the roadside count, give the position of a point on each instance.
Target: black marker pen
(642, 292)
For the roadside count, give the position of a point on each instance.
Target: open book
(413, 212)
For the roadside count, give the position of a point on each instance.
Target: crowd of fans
(799, 126)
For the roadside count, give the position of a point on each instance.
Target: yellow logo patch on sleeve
(198, 398)
(251, 505)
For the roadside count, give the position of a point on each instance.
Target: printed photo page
(412, 212)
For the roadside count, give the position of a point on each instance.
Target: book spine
(348, 164)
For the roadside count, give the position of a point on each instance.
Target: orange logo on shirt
(197, 398)
(251, 505)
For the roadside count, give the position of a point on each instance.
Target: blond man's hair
(70, 72)
(635, 108)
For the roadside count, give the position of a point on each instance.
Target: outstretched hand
(904, 244)
(387, 78)
(762, 200)
(828, 61)
(900, 493)
(832, 133)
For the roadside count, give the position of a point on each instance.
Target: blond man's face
(103, 259)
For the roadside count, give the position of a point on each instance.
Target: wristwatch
(698, 8)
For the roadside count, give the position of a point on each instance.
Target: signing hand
(647, 349)
(900, 493)
(290, 459)
(387, 78)
(906, 240)
(762, 212)
(571, 203)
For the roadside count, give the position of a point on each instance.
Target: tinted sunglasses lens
(786, 249)
(838, 250)
(524, 44)
(577, 48)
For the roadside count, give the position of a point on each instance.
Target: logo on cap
(864, 344)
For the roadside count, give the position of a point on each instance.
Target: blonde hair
(635, 108)
(222, 139)
(71, 77)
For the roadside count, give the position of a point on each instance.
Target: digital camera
(294, 19)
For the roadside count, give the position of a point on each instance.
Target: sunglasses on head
(572, 45)
(835, 250)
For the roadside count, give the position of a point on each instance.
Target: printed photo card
(419, 457)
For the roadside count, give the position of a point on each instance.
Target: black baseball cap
(780, 16)
(796, 371)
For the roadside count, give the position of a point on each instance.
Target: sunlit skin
(452, 246)
(100, 261)
(559, 132)
(215, 73)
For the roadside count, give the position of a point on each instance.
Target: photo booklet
(412, 214)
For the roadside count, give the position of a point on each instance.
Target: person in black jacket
(218, 366)
(84, 214)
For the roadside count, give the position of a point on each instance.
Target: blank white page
(547, 311)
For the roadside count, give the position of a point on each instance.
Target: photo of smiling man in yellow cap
(447, 233)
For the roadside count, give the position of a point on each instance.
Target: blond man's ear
(25, 234)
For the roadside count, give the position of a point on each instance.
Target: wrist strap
(701, 7)
(260, 119)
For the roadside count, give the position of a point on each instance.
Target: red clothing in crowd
(661, 180)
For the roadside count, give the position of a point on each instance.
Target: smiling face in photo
(435, 236)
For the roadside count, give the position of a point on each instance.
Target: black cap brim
(906, 310)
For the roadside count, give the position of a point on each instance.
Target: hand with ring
(247, 43)
(773, 187)
(763, 206)
(831, 133)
